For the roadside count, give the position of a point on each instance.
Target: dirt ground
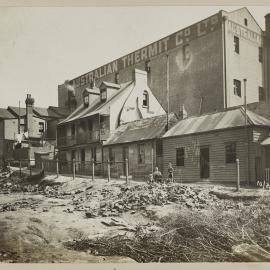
(35, 225)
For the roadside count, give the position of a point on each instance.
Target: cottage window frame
(237, 88)
(230, 152)
(180, 157)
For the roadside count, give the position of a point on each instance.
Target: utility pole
(19, 124)
(246, 129)
(168, 89)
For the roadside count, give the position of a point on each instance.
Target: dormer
(107, 90)
(89, 96)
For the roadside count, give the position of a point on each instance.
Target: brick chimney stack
(29, 102)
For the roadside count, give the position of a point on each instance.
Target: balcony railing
(84, 137)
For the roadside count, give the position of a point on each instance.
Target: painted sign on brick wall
(179, 38)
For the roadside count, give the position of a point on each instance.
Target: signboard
(244, 32)
(179, 38)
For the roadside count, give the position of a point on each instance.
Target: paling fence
(108, 169)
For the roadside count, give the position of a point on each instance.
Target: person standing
(170, 173)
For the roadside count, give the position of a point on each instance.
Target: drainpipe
(224, 19)
(246, 129)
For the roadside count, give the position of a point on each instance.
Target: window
(116, 78)
(82, 155)
(73, 130)
(86, 100)
(41, 127)
(147, 66)
(111, 155)
(83, 126)
(261, 94)
(230, 149)
(145, 99)
(159, 148)
(236, 44)
(186, 52)
(141, 154)
(94, 153)
(246, 22)
(90, 125)
(260, 54)
(103, 95)
(73, 154)
(237, 87)
(180, 156)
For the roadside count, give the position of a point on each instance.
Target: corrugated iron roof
(140, 130)
(5, 114)
(64, 112)
(98, 107)
(216, 121)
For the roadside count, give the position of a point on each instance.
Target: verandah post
(93, 169)
(109, 170)
(238, 175)
(126, 161)
(73, 168)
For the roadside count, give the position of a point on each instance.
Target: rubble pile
(14, 206)
(108, 202)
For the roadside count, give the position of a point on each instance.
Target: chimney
(182, 113)
(29, 102)
(266, 43)
(140, 77)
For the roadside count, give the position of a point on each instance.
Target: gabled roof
(216, 121)
(98, 107)
(16, 111)
(51, 112)
(63, 112)
(5, 114)
(141, 130)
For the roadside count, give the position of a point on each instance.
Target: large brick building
(207, 61)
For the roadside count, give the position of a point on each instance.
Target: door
(125, 155)
(258, 169)
(204, 163)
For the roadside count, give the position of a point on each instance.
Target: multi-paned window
(41, 127)
(86, 100)
(180, 156)
(236, 44)
(103, 95)
(230, 149)
(141, 154)
(237, 87)
(73, 129)
(145, 99)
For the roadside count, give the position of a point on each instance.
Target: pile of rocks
(132, 198)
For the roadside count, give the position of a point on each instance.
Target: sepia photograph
(134, 134)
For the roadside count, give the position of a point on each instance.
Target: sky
(42, 47)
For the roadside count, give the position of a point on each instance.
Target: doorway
(258, 169)
(204, 163)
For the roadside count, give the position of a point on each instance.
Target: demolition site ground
(65, 220)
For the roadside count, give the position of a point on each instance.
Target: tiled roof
(216, 121)
(98, 107)
(5, 114)
(140, 130)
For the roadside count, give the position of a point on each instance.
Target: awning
(266, 141)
